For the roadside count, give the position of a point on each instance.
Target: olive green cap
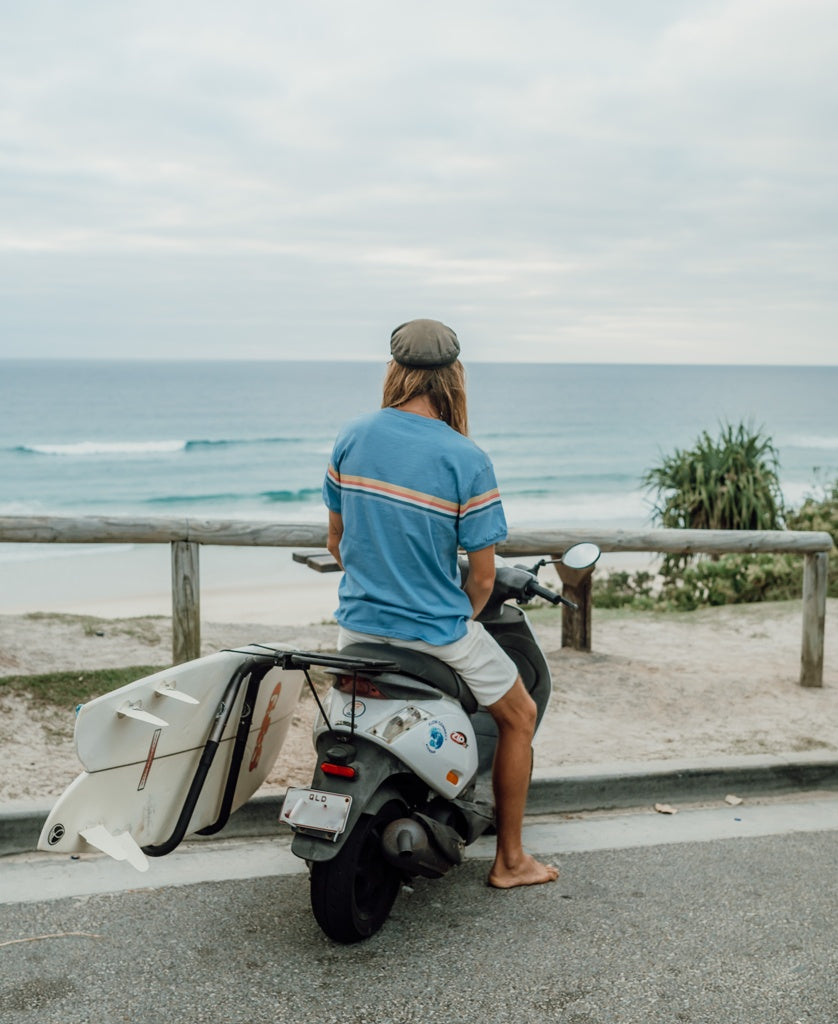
(424, 343)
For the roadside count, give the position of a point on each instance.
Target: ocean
(570, 443)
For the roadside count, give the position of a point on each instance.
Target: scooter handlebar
(552, 597)
(546, 593)
(523, 585)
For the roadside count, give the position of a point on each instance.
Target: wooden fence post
(814, 618)
(576, 625)
(577, 586)
(186, 601)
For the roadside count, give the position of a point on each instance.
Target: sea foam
(87, 448)
(166, 447)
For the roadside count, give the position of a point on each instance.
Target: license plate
(316, 810)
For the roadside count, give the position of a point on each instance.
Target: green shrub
(619, 590)
(66, 689)
(727, 483)
(730, 483)
(734, 579)
(728, 579)
(821, 513)
(817, 513)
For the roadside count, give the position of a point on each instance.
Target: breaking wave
(108, 448)
(304, 494)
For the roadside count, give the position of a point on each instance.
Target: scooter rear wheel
(352, 894)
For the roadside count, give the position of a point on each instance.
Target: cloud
(644, 182)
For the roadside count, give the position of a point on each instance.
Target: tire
(352, 894)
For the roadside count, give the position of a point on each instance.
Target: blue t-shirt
(410, 491)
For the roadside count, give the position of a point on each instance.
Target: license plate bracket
(314, 810)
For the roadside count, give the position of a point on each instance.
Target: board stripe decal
(148, 761)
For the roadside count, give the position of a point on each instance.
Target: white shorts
(486, 668)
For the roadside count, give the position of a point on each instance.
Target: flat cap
(424, 343)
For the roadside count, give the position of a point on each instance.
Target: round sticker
(56, 834)
(436, 736)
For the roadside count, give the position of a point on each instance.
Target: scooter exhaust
(420, 846)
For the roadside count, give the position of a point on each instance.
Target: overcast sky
(600, 180)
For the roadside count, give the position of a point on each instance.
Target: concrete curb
(629, 784)
(579, 788)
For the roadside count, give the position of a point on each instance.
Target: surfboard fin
(121, 847)
(135, 711)
(167, 689)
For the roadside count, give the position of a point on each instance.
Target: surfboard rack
(350, 664)
(305, 659)
(255, 668)
(256, 676)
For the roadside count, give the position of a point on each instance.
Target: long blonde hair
(445, 386)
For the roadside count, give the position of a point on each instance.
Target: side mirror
(580, 556)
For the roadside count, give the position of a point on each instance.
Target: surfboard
(175, 753)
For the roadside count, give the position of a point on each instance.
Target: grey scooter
(404, 756)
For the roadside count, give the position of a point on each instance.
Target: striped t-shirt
(410, 491)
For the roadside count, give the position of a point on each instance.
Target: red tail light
(362, 687)
(345, 771)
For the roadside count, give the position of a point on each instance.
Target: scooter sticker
(359, 707)
(459, 737)
(436, 736)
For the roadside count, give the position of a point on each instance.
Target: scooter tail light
(344, 771)
(360, 686)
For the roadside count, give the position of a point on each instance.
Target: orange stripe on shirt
(370, 485)
(382, 488)
(480, 501)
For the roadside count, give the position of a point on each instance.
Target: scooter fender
(382, 778)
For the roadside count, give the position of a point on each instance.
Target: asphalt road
(654, 920)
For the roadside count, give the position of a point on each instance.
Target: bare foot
(527, 871)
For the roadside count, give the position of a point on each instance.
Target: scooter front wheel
(352, 894)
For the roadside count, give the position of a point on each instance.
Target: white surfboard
(174, 753)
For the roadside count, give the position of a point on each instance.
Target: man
(405, 489)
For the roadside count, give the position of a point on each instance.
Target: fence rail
(186, 535)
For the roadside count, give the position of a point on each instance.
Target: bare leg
(514, 714)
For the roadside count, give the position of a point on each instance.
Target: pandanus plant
(725, 483)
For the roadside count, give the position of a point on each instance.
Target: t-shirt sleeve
(482, 521)
(331, 485)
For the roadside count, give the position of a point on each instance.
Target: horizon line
(378, 361)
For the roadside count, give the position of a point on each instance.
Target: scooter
(404, 755)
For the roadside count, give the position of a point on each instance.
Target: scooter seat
(418, 665)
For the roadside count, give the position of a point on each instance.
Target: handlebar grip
(548, 595)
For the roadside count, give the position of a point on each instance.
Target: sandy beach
(715, 683)
(238, 584)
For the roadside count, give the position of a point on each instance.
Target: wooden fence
(187, 535)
